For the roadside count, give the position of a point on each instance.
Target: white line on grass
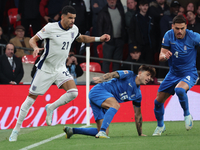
(47, 140)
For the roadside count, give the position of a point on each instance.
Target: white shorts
(43, 80)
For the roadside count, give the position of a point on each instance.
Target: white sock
(23, 112)
(64, 99)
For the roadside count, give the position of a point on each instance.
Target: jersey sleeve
(166, 40)
(44, 32)
(197, 39)
(78, 36)
(125, 74)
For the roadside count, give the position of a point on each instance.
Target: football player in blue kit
(114, 88)
(179, 48)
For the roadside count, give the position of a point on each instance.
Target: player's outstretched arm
(90, 39)
(33, 44)
(106, 77)
(138, 120)
(165, 54)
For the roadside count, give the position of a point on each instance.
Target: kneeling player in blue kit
(114, 88)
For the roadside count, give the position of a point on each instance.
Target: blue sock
(108, 118)
(159, 112)
(85, 131)
(183, 99)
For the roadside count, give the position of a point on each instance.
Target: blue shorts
(97, 96)
(169, 83)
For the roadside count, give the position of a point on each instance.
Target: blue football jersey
(124, 88)
(183, 59)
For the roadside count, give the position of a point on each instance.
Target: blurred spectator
(107, 23)
(194, 26)
(11, 69)
(142, 32)
(74, 68)
(3, 39)
(157, 9)
(133, 57)
(181, 10)
(166, 20)
(2, 8)
(30, 15)
(21, 41)
(96, 7)
(50, 10)
(131, 10)
(165, 25)
(198, 14)
(190, 6)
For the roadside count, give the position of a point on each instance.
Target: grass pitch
(123, 136)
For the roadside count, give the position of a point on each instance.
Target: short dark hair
(148, 68)
(68, 9)
(143, 2)
(7, 45)
(179, 19)
(190, 11)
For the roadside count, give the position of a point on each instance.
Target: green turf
(123, 136)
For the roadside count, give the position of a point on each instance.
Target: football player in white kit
(58, 38)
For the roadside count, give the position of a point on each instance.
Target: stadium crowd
(136, 27)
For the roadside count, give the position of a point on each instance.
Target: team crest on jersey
(185, 48)
(72, 35)
(125, 72)
(43, 30)
(34, 88)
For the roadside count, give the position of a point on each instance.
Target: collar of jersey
(59, 23)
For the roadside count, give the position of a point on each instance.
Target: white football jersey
(57, 44)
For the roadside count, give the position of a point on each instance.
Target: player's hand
(105, 38)
(167, 55)
(36, 51)
(97, 79)
(143, 135)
